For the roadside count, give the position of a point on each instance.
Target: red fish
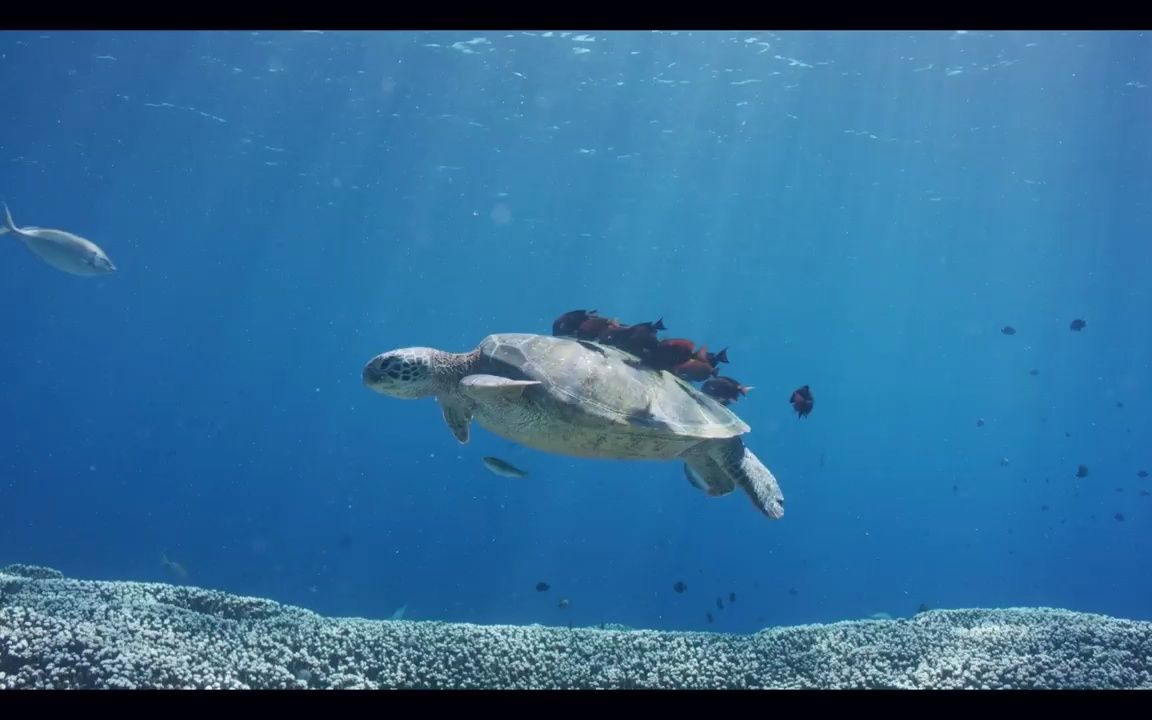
(714, 359)
(640, 339)
(694, 370)
(802, 401)
(569, 322)
(670, 353)
(596, 328)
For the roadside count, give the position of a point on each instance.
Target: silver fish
(502, 467)
(62, 250)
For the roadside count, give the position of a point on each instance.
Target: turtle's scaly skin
(595, 401)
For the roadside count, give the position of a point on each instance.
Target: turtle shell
(601, 387)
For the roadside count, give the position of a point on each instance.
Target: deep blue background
(861, 212)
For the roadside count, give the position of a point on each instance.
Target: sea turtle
(581, 398)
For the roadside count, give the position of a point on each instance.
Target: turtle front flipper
(487, 388)
(743, 467)
(457, 413)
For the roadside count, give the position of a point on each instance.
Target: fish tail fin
(8, 226)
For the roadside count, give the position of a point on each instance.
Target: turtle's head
(405, 373)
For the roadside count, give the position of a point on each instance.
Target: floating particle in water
(542, 587)
(1044, 508)
(1067, 434)
(1033, 371)
(563, 603)
(1143, 493)
(955, 488)
(979, 422)
(1008, 330)
(679, 586)
(1077, 325)
(1119, 489)
(1119, 404)
(1082, 471)
(1003, 462)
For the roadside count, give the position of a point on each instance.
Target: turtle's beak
(371, 374)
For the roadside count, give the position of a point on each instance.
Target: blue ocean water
(861, 212)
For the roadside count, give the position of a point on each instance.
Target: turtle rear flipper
(746, 470)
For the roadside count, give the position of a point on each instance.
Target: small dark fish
(1082, 471)
(731, 597)
(1119, 404)
(1142, 473)
(719, 603)
(1119, 517)
(569, 322)
(725, 389)
(680, 586)
(793, 591)
(345, 541)
(1143, 493)
(1008, 330)
(563, 603)
(1077, 325)
(979, 422)
(802, 401)
(1044, 508)
(1004, 462)
(1118, 489)
(923, 608)
(955, 488)
(503, 467)
(1033, 371)
(1067, 434)
(710, 618)
(542, 586)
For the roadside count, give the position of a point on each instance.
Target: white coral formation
(62, 633)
